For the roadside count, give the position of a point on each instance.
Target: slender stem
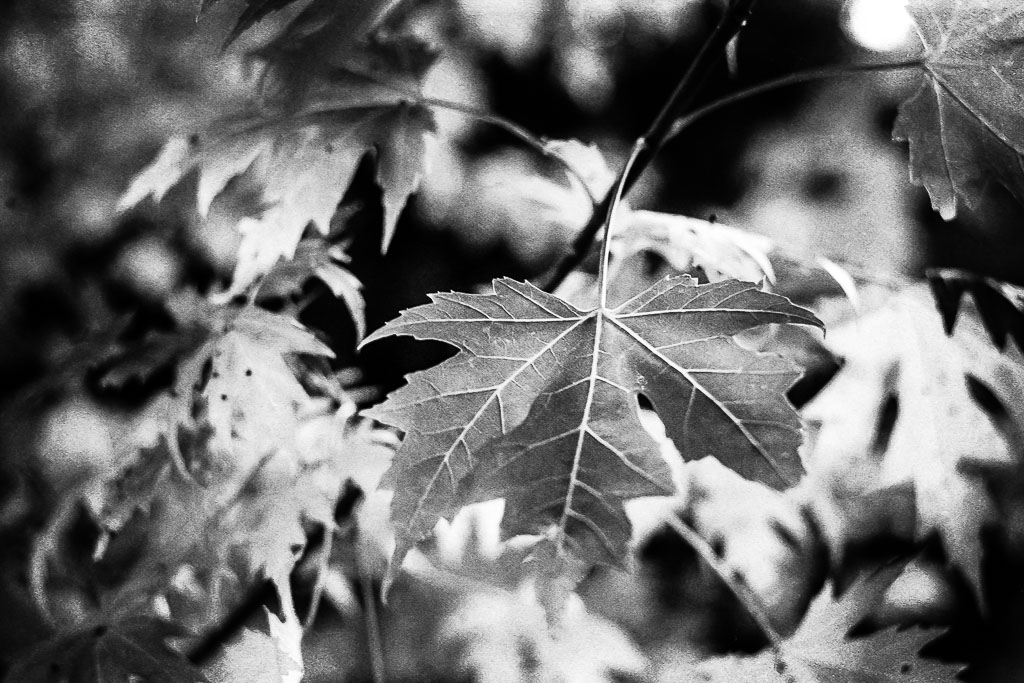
(739, 588)
(710, 54)
(587, 235)
(512, 128)
(791, 79)
(606, 248)
(373, 637)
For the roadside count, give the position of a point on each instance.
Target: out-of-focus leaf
(357, 16)
(490, 629)
(964, 125)
(257, 657)
(821, 650)
(302, 153)
(315, 258)
(1000, 304)
(540, 407)
(650, 245)
(759, 534)
(913, 410)
(127, 650)
(239, 380)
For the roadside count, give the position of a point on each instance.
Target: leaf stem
(734, 582)
(581, 246)
(810, 75)
(373, 636)
(536, 142)
(639, 147)
(714, 48)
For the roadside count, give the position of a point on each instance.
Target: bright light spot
(879, 25)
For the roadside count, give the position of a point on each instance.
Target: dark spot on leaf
(906, 668)
(223, 397)
(296, 548)
(718, 547)
(780, 666)
(248, 373)
(713, 218)
(99, 631)
(215, 374)
(193, 139)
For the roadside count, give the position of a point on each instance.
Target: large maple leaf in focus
(541, 406)
(964, 125)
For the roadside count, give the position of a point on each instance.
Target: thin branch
(739, 588)
(791, 79)
(711, 53)
(606, 250)
(586, 237)
(373, 637)
(536, 142)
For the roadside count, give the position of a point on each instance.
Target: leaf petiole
(638, 148)
(810, 75)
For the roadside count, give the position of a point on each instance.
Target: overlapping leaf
(914, 408)
(650, 245)
(257, 657)
(301, 152)
(821, 650)
(131, 649)
(540, 408)
(964, 124)
(314, 258)
(999, 304)
(239, 380)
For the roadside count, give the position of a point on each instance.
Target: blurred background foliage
(91, 89)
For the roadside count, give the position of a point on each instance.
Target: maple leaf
(239, 380)
(357, 16)
(915, 409)
(540, 407)
(821, 651)
(489, 628)
(650, 245)
(964, 123)
(302, 154)
(131, 649)
(316, 258)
